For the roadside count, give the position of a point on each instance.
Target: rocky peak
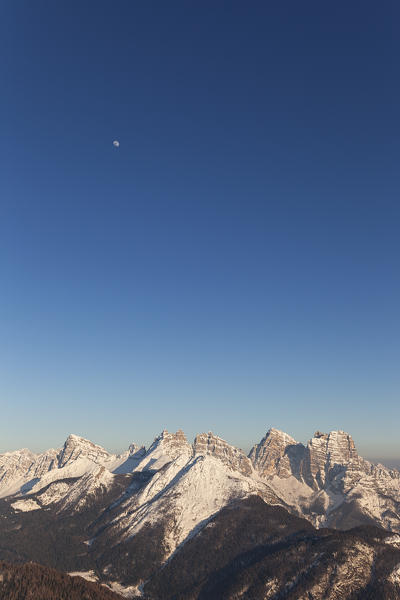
(210, 444)
(277, 454)
(329, 459)
(15, 464)
(337, 445)
(172, 443)
(165, 448)
(21, 466)
(136, 451)
(78, 447)
(319, 434)
(327, 455)
(43, 463)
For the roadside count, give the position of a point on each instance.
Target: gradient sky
(235, 263)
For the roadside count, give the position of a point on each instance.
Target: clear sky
(235, 263)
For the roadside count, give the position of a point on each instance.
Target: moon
(116, 143)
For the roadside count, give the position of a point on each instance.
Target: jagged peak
(76, 447)
(332, 439)
(19, 452)
(273, 432)
(278, 453)
(166, 436)
(275, 436)
(136, 450)
(319, 434)
(329, 453)
(73, 438)
(211, 438)
(213, 445)
(166, 447)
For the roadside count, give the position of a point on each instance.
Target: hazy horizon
(388, 461)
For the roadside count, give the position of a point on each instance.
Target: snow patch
(393, 540)
(394, 576)
(290, 489)
(88, 575)
(131, 591)
(54, 493)
(25, 505)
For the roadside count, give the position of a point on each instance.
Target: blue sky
(234, 264)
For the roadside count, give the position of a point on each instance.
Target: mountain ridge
(147, 505)
(313, 480)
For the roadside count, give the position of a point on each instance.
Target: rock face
(135, 450)
(316, 464)
(277, 454)
(174, 444)
(208, 444)
(327, 454)
(44, 462)
(327, 481)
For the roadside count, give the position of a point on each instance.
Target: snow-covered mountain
(189, 485)
(23, 472)
(327, 481)
(150, 503)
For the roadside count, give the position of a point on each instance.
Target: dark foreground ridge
(250, 550)
(36, 582)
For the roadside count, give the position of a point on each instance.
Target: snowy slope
(19, 468)
(183, 495)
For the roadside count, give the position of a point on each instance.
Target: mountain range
(203, 520)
